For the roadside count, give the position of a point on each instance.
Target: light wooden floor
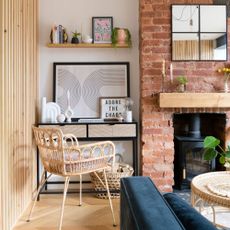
(94, 214)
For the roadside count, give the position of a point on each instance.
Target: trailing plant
(114, 36)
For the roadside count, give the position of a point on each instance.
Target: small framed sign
(102, 29)
(112, 107)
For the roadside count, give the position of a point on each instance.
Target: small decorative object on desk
(69, 111)
(113, 177)
(61, 118)
(226, 72)
(49, 111)
(128, 112)
(112, 107)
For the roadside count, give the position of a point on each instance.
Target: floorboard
(94, 214)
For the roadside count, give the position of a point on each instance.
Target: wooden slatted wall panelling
(18, 98)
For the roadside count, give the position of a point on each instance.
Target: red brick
(157, 126)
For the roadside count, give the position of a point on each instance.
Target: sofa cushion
(143, 207)
(189, 217)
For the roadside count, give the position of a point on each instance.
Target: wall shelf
(85, 45)
(194, 100)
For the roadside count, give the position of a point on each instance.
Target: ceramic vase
(121, 36)
(128, 116)
(182, 88)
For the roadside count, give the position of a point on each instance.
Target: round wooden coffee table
(212, 188)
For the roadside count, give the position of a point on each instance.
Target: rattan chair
(62, 155)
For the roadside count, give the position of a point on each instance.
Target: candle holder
(163, 74)
(69, 111)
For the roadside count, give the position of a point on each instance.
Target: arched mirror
(199, 32)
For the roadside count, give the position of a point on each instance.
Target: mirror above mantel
(199, 32)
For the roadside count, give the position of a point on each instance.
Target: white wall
(76, 14)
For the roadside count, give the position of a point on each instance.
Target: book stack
(57, 34)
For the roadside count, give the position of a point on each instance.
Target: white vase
(69, 111)
(128, 116)
(182, 88)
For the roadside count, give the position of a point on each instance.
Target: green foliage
(75, 34)
(182, 80)
(114, 36)
(211, 142)
(210, 150)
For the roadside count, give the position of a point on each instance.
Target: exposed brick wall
(156, 124)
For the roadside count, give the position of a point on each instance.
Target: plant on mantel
(212, 149)
(182, 80)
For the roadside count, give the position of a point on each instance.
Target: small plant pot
(182, 88)
(74, 40)
(121, 36)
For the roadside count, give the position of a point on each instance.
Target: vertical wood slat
(1, 103)
(18, 96)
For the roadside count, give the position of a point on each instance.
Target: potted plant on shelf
(182, 80)
(75, 39)
(212, 149)
(121, 36)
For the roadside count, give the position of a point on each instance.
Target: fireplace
(190, 130)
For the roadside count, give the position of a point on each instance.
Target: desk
(201, 190)
(99, 131)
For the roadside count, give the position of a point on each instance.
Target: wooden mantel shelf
(194, 100)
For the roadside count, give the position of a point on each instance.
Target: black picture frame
(87, 82)
(102, 28)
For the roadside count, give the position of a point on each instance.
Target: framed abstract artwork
(102, 28)
(86, 83)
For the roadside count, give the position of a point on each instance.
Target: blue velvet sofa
(143, 207)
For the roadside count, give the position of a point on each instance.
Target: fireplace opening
(190, 130)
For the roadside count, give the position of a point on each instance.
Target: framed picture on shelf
(102, 28)
(86, 83)
(112, 107)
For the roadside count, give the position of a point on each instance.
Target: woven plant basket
(113, 178)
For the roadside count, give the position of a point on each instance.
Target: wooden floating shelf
(194, 100)
(86, 45)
